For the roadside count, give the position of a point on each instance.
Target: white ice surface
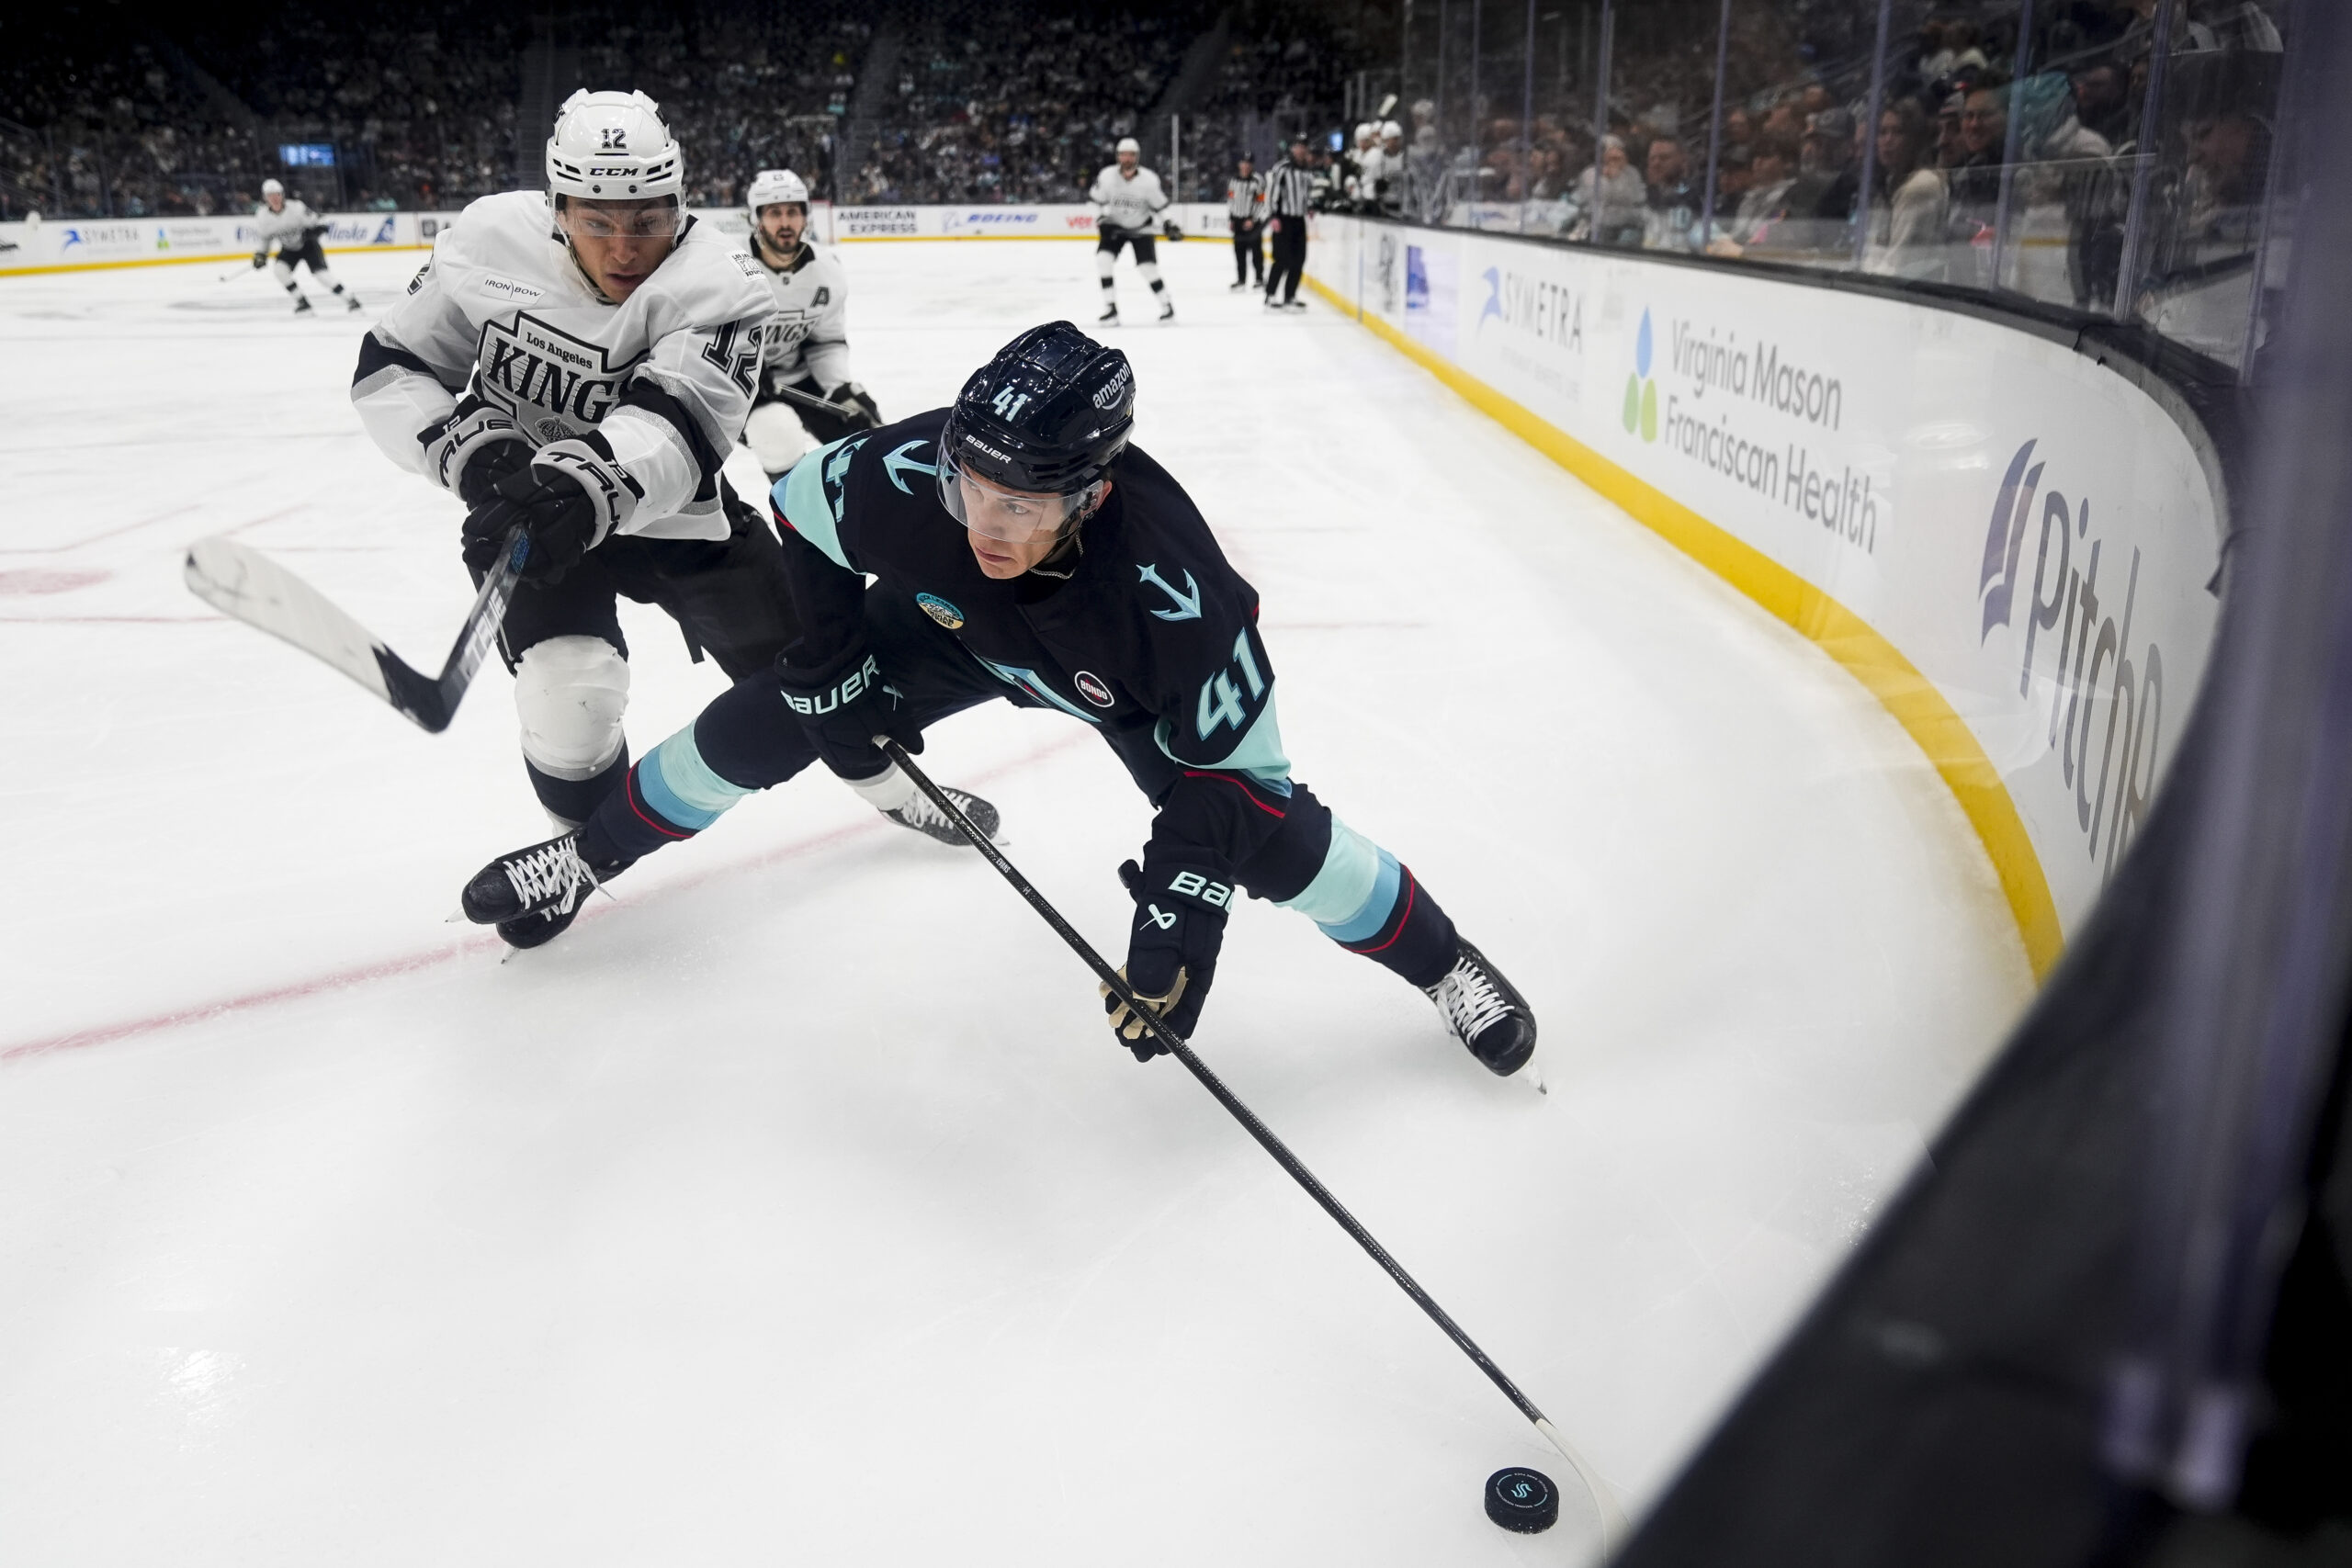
(797, 1206)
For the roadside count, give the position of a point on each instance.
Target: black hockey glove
(261, 260)
(856, 405)
(1171, 947)
(495, 471)
(1171, 231)
(555, 512)
(843, 705)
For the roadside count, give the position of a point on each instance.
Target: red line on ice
(201, 1013)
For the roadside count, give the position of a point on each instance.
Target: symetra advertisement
(2031, 532)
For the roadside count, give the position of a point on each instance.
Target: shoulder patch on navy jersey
(947, 615)
(1186, 606)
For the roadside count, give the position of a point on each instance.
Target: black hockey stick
(260, 592)
(1612, 1521)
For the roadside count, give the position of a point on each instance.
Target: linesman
(1245, 208)
(1290, 189)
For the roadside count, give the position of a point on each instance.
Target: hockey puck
(1523, 1500)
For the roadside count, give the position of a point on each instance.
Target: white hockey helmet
(770, 187)
(613, 147)
(271, 188)
(1365, 131)
(1128, 144)
(1391, 132)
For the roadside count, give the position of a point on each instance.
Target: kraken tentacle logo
(1641, 387)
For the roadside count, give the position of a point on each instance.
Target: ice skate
(533, 895)
(1110, 317)
(1485, 1012)
(301, 304)
(921, 814)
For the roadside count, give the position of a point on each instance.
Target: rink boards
(2011, 545)
(93, 244)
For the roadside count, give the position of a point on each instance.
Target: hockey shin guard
(1150, 274)
(1367, 901)
(570, 802)
(1104, 263)
(672, 794)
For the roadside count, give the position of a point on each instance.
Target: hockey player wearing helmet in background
(1130, 198)
(806, 337)
(1023, 550)
(577, 363)
(294, 228)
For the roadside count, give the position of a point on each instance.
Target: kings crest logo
(554, 384)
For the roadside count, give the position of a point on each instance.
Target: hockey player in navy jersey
(1024, 551)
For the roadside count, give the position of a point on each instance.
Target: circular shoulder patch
(946, 615)
(1093, 688)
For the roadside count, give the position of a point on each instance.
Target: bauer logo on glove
(1171, 949)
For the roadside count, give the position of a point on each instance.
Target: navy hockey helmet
(1048, 415)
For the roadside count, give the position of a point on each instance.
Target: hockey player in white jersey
(808, 335)
(294, 228)
(578, 363)
(1130, 198)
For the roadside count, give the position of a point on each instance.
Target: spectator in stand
(1766, 205)
(1975, 188)
(1823, 199)
(1670, 201)
(1611, 198)
(1907, 214)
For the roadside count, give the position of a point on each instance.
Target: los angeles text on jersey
(529, 362)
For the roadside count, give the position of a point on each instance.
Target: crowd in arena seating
(1023, 100)
(1953, 113)
(976, 100)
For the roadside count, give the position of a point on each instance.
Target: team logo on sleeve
(951, 617)
(554, 385)
(1093, 688)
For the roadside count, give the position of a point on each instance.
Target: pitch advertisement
(2032, 532)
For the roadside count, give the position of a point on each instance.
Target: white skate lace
(1469, 999)
(919, 811)
(549, 875)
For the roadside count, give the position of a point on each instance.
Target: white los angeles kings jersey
(1128, 203)
(501, 337)
(808, 337)
(285, 227)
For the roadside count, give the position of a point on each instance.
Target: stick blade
(257, 591)
(264, 595)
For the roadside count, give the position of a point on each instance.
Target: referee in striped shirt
(1245, 210)
(1288, 184)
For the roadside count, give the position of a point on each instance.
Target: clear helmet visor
(1009, 517)
(658, 220)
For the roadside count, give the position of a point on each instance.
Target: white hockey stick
(260, 592)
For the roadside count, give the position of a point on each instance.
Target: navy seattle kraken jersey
(1152, 636)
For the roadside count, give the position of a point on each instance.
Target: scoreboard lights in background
(307, 154)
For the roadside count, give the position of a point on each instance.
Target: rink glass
(2112, 160)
